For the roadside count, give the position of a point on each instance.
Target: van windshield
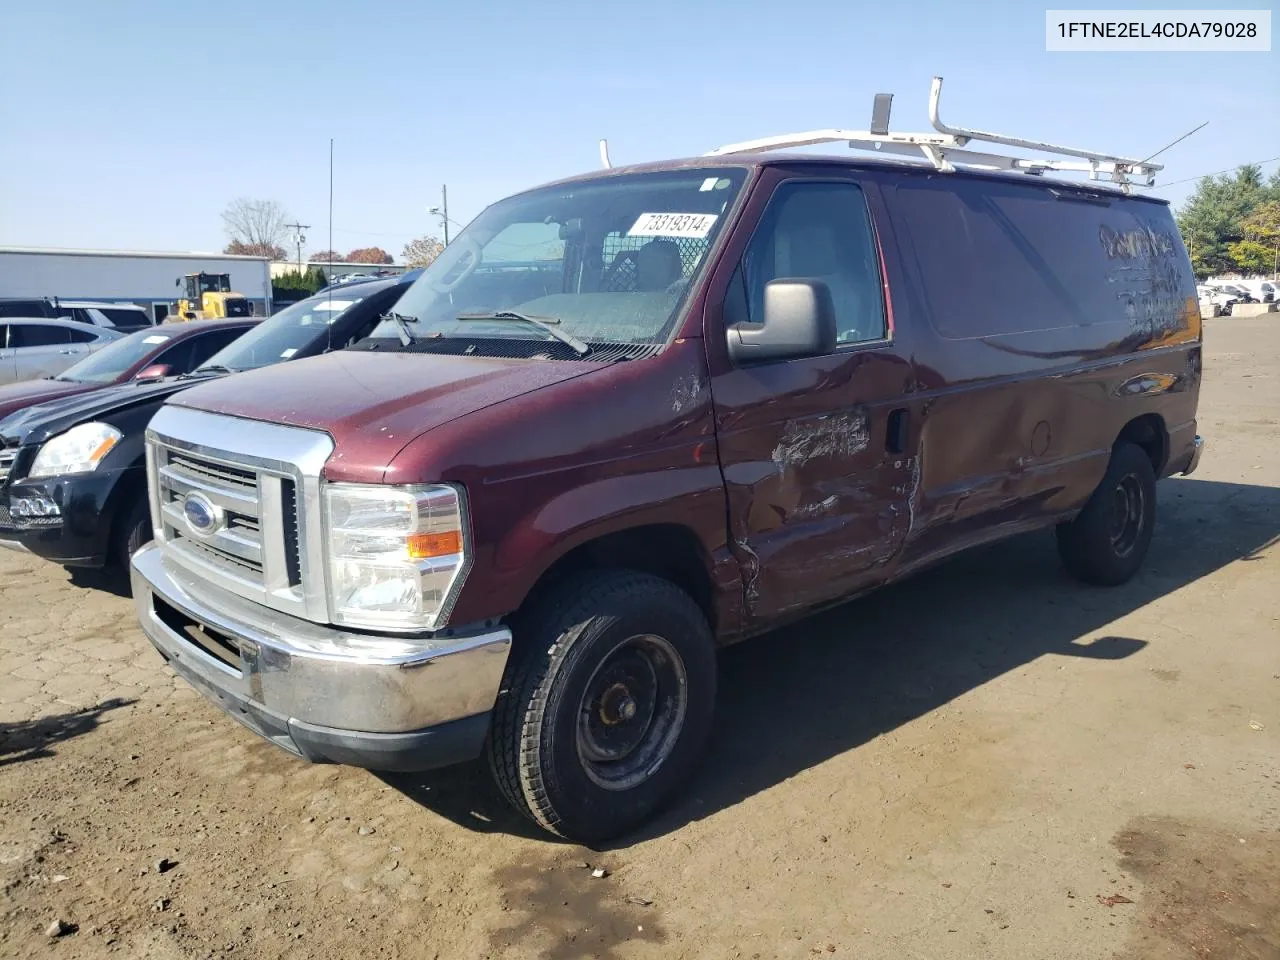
(282, 335)
(604, 260)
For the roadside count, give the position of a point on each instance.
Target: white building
(132, 276)
(339, 268)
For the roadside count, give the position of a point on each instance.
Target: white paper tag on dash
(286, 354)
(155, 338)
(696, 225)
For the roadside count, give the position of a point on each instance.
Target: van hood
(38, 423)
(372, 404)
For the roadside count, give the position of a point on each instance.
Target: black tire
(1106, 544)
(603, 660)
(134, 531)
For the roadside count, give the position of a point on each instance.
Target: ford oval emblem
(203, 517)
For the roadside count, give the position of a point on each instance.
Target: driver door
(813, 449)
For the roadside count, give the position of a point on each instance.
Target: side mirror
(799, 321)
(157, 371)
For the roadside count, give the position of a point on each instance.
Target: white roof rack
(945, 148)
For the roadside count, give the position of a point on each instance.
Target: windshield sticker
(286, 354)
(708, 184)
(335, 304)
(155, 338)
(695, 225)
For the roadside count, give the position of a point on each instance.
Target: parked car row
(71, 448)
(511, 509)
(122, 317)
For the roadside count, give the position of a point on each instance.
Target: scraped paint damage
(811, 511)
(843, 435)
(751, 571)
(685, 393)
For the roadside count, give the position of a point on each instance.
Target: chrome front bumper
(298, 683)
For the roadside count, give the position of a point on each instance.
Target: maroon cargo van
(632, 416)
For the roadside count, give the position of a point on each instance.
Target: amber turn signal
(423, 546)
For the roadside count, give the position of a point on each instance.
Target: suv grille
(7, 457)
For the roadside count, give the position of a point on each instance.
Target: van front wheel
(1106, 544)
(606, 704)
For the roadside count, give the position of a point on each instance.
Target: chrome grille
(263, 483)
(237, 544)
(215, 472)
(7, 456)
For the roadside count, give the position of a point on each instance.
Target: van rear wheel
(606, 705)
(1106, 544)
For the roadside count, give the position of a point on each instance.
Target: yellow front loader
(209, 297)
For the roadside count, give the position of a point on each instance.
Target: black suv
(76, 489)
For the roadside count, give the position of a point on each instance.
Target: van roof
(905, 167)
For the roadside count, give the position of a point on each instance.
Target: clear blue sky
(131, 124)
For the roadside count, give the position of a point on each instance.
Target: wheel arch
(670, 551)
(1150, 433)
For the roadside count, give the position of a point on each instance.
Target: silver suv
(34, 347)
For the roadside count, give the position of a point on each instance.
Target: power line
(1253, 163)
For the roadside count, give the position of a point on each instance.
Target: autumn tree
(422, 251)
(370, 255)
(268, 250)
(325, 256)
(1213, 220)
(257, 228)
(1259, 250)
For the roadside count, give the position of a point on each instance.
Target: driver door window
(821, 231)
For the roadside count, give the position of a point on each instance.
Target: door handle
(67, 353)
(895, 438)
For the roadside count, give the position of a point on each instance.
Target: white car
(125, 317)
(1234, 288)
(34, 347)
(1213, 301)
(1264, 291)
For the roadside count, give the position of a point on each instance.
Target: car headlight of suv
(395, 553)
(79, 450)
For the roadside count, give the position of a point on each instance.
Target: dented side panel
(817, 507)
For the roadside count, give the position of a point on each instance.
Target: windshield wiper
(402, 321)
(545, 323)
(211, 368)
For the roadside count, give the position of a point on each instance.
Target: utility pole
(442, 211)
(299, 238)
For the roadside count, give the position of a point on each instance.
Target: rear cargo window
(999, 259)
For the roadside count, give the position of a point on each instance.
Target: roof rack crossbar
(946, 148)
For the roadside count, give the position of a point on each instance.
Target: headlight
(79, 450)
(395, 554)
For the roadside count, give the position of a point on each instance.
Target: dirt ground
(989, 761)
